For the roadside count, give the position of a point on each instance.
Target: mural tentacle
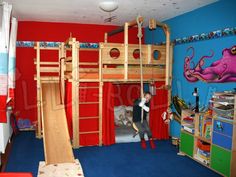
(222, 70)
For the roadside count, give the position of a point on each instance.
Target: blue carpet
(119, 160)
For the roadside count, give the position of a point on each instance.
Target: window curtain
(158, 106)
(108, 126)
(4, 49)
(12, 61)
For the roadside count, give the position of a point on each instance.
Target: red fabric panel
(89, 139)
(159, 104)
(16, 175)
(3, 115)
(108, 126)
(125, 94)
(68, 107)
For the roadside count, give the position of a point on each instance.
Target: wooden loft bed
(117, 62)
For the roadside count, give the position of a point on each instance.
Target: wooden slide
(57, 145)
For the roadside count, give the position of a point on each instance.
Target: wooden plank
(46, 63)
(106, 50)
(120, 80)
(49, 69)
(132, 80)
(88, 63)
(68, 68)
(56, 138)
(46, 48)
(48, 78)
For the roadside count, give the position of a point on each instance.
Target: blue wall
(213, 17)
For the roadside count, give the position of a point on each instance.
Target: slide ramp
(57, 145)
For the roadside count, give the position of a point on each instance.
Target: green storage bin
(220, 160)
(186, 143)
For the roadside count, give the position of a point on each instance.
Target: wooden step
(92, 117)
(92, 132)
(88, 102)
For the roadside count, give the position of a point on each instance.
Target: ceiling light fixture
(108, 6)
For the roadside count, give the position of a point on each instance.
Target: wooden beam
(115, 31)
(39, 100)
(49, 69)
(75, 93)
(62, 71)
(45, 63)
(100, 97)
(105, 37)
(46, 48)
(134, 22)
(121, 28)
(126, 42)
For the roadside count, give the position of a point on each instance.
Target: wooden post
(62, 69)
(75, 93)
(126, 41)
(167, 32)
(100, 96)
(170, 73)
(39, 100)
(105, 38)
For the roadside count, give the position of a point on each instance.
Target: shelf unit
(211, 139)
(223, 156)
(195, 133)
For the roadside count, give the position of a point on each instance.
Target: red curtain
(125, 94)
(108, 126)
(158, 106)
(68, 107)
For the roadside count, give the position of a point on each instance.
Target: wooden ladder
(79, 91)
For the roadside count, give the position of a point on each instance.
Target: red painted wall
(44, 31)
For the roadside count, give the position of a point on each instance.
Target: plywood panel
(57, 146)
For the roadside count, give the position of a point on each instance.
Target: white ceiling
(88, 11)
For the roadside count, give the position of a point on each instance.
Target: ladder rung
(89, 132)
(92, 117)
(88, 102)
(88, 70)
(88, 63)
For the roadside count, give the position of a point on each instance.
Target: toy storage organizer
(211, 139)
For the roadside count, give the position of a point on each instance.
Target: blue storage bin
(222, 141)
(223, 128)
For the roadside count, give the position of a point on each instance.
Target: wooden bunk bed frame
(122, 68)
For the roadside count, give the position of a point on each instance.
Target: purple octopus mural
(222, 70)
